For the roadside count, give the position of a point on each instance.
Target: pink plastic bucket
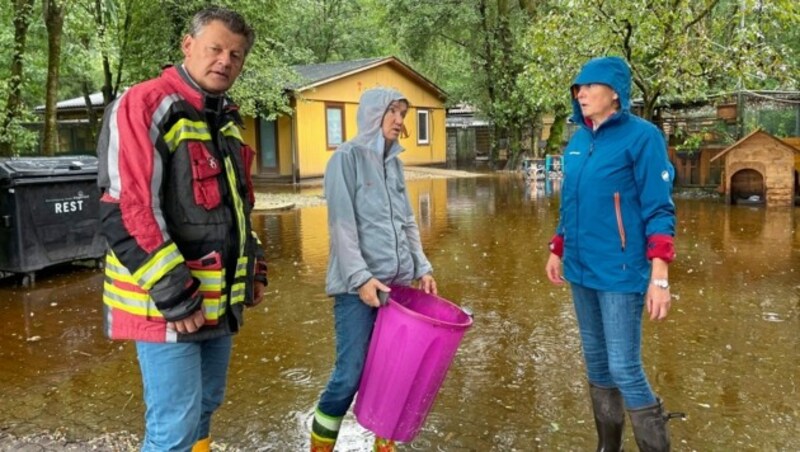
(415, 338)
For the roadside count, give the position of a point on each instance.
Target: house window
(334, 125)
(423, 127)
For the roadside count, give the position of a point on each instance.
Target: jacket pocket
(620, 224)
(205, 176)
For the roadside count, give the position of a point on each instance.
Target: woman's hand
(368, 292)
(553, 269)
(659, 301)
(658, 298)
(428, 284)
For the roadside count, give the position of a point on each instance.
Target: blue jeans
(183, 384)
(610, 324)
(354, 323)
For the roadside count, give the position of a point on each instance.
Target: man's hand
(189, 324)
(258, 293)
(553, 269)
(368, 292)
(428, 284)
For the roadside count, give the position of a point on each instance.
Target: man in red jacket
(183, 260)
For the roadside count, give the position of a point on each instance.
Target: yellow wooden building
(324, 108)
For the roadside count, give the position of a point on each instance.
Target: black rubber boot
(650, 427)
(609, 417)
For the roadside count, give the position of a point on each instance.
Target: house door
(268, 144)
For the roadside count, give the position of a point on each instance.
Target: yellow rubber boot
(320, 444)
(384, 445)
(204, 445)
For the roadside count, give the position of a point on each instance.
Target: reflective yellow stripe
(185, 129)
(255, 237)
(230, 130)
(117, 271)
(210, 281)
(237, 202)
(138, 303)
(211, 308)
(132, 302)
(157, 266)
(141, 304)
(241, 267)
(237, 293)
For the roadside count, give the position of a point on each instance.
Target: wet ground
(728, 355)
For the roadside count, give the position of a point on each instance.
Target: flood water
(728, 355)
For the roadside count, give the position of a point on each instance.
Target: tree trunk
(556, 134)
(54, 22)
(649, 108)
(122, 52)
(102, 28)
(488, 71)
(22, 20)
(514, 147)
(91, 112)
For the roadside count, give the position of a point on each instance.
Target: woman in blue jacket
(615, 235)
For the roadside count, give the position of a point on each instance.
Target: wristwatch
(660, 283)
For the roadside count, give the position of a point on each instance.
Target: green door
(268, 142)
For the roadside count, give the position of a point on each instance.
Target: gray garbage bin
(48, 212)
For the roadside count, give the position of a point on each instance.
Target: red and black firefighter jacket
(174, 176)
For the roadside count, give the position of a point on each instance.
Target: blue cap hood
(611, 71)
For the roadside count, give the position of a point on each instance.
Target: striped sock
(325, 428)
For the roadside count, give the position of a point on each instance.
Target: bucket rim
(431, 320)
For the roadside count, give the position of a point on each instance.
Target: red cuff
(661, 246)
(261, 267)
(557, 245)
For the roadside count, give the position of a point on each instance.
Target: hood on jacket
(612, 71)
(371, 109)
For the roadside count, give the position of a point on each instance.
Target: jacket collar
(199, 98)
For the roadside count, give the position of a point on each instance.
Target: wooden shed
(759, 168)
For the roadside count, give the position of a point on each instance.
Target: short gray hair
(232, 20)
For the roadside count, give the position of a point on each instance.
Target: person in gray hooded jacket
(374, 243)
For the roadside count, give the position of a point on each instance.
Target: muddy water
(728, 355)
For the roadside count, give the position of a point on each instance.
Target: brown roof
(313, 75)
(747, 138)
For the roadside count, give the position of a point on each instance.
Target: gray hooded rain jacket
(372, 228)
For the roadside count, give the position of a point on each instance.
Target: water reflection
(727, 355)
(542, 187)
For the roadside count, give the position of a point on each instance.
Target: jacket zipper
(578, 200)
(391, 220)
(620, 224)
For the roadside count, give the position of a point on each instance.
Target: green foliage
(514, 60)
(331, 30)
(677, 51)
(690, 142)
(781, 122)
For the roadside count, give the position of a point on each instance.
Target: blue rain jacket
(373, 232)
(616, 190)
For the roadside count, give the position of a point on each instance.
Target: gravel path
(58, 441)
